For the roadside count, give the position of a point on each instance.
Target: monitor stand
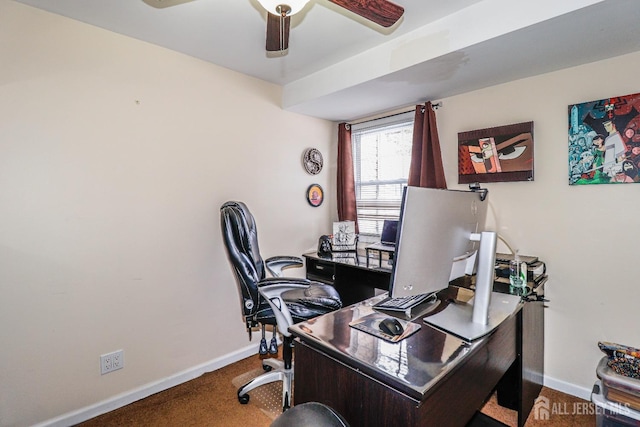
(487, 309)
(456, 318)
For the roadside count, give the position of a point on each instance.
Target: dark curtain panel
(426, 168)
(346, 182)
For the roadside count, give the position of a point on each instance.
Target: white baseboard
(568, 388)
(123, 399)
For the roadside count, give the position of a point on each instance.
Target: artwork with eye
(312, 161)
(498, 154)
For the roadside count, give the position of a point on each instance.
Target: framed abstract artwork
(498, 154)
(604, 141)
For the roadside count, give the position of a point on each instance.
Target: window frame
(386, 209)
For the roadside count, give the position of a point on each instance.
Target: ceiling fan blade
(277, 32)
(160, 4)
(382, 12)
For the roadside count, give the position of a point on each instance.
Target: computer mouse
(391, 326)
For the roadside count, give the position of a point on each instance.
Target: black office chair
(277, 301)
(310, 414)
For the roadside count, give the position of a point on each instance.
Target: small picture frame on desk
(344, 238)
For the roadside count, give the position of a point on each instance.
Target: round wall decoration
(312, 161)
(315, 195)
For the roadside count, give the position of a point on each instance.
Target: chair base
(276, 372)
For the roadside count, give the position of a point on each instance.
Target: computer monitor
(434, 229)
(389, 232)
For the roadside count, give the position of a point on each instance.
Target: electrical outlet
(116, 360)
(111, 361)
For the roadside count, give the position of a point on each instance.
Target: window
(381, 159)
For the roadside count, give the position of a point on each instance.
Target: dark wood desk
(430, 378)
(349, 274)
(522, 383)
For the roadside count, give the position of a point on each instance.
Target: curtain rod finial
(436, 105)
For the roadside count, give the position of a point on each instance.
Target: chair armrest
(272, 290)
(276, 264)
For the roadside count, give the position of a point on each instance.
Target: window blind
(382, 155)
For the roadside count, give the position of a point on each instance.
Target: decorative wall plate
(315, 195)
(312, 161)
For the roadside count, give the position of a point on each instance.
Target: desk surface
(348, 259)
(412, 366)
(430, 378)
(381, 247)
(374, 383)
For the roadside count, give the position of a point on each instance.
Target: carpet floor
(211, 400)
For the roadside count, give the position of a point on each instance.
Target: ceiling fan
(381, 12)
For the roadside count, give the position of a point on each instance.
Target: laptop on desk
(389, 232)
(387, 241)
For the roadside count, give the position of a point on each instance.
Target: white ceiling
(340, 67)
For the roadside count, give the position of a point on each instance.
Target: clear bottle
(517, 272)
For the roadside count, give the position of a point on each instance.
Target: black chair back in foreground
(310, 414)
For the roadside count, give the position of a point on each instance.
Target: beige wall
(586, 234)
(115, 156)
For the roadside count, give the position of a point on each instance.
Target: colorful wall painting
(604, 141)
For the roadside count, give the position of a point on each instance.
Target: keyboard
(403, 303)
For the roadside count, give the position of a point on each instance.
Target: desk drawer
(321, 271)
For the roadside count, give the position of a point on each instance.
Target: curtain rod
(404, 110)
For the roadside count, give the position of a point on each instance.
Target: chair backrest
(240, 237)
